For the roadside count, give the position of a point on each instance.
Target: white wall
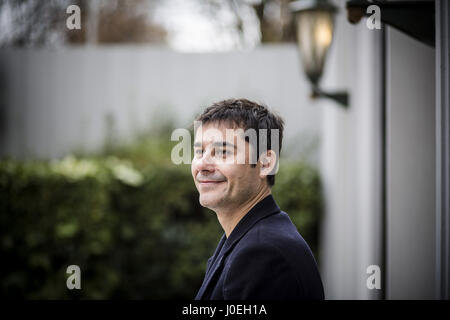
(411, 169)
(351, 162)
(56, 100)
(351, 166)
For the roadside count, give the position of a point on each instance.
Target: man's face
(221, 170)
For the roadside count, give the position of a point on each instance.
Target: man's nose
(206, 162)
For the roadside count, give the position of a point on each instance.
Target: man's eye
(198, 151)
(223, 152)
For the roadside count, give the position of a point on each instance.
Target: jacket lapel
(262, 209)
(207, 278)
(216, 253)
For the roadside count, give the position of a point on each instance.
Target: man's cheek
(194, 170)
(228, 161)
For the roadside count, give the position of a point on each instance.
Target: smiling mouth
(210, 182)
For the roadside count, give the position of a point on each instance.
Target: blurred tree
(25, 22)
(39, 23)
(127, 21)
(276, 23)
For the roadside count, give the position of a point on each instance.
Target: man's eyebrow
(197, 144)
(224, 144)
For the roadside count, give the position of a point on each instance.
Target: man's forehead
(218, 132)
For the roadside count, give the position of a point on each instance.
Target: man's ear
(268, 163)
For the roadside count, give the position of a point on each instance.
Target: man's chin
(209, 202)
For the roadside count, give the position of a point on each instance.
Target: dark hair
(246, 114)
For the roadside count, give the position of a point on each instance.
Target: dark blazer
(264, 258)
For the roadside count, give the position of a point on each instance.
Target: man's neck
(229, 219)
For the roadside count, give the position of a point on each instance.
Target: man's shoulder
(276, 229)
(274, 253)
(276, 234)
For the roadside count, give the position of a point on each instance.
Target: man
(261, 256)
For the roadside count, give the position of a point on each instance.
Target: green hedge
(136, 230)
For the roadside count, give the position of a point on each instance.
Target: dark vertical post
(383, 80)
(442, 149)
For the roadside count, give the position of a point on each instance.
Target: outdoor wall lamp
(314, 22)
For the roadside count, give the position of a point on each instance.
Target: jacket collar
(262, 209)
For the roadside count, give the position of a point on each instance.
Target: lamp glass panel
(314, 37)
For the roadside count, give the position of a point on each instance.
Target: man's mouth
(210, 182)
